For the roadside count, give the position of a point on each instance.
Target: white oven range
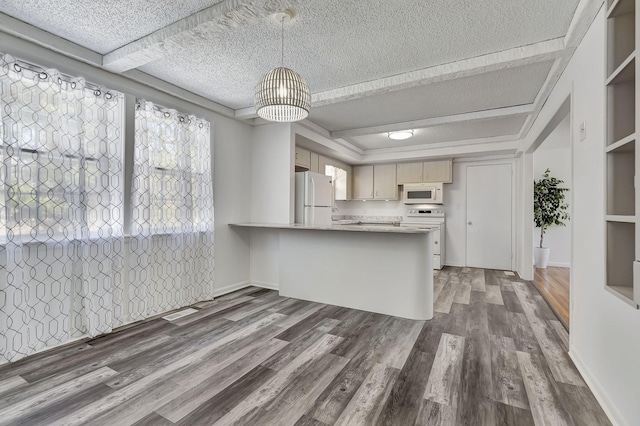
(433, 218)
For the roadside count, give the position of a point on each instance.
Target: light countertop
(389, 229)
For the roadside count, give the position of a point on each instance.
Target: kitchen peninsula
(383, 269)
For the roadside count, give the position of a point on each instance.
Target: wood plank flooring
(491, 356)
(553, 284)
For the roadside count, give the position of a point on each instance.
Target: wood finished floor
(493, 355)
(553, 284)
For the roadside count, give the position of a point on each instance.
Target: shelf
(621, 194)
(625, 73)
(621, 246)
(620, 7)
(621, 40)
(624, 293)
(623, 145)
(621, 111)
(620, 218)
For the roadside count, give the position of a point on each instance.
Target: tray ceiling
(478, 56)
(465, 131)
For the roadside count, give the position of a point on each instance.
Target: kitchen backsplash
(370, 208)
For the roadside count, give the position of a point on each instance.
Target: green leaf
(549, 206)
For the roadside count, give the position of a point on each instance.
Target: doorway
(489, 216)
(553, 282)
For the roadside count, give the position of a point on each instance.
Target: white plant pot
(541, 256)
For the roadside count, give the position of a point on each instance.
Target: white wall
(230, 149)
(555, 154)
(605, 331)
(272, 192)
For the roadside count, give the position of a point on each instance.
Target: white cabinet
(375, 182)
(303, 158)
(437, 171)
(409, 173)
(384, 182)
(315, 164)
(425, 172)
(363, 182)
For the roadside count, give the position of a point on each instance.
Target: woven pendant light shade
(282, 95)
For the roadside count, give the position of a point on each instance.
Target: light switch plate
(583, 131)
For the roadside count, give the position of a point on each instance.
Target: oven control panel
(425, 212)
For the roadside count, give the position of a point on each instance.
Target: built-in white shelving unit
(622, 202)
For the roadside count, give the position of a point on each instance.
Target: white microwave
(422, 193)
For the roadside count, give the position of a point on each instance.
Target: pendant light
(282, 94)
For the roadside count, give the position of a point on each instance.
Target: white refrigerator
(314, 199)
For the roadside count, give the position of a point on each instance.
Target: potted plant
(549, 208)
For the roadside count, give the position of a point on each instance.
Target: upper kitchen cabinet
(315, 164)
(363, 182)
(375, 182)
(437, 171)
(303, 159)
(425, 172)
(409, 173)
(385, 186)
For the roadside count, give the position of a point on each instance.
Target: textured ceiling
(102, 25)
(504, 88)
(446, 133)
(334, 43)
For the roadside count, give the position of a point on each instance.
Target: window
(61, 153)
(339, 181)
(172, 175)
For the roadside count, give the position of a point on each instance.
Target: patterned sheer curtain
(60, 208)
(171, 262)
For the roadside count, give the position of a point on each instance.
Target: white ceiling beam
(437, 145)
(436, 121)
(28, 32)
(448, 150)
(533, 53)
(586, 12)
(201, 26)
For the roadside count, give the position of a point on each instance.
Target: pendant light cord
(282, 45)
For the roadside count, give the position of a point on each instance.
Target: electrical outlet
(583, 131)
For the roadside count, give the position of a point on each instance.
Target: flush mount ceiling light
(282, 94)
(401, 135)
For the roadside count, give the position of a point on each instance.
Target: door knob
(469, 223)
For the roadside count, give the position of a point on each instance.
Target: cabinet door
(363, 182)
(437, 171)
(384, 182)
(314, 163)
(409, 173)
(303, 157)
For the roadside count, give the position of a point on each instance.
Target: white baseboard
(261, 284)
(231, 288)
(609, 409)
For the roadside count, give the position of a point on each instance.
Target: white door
(489, 216)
